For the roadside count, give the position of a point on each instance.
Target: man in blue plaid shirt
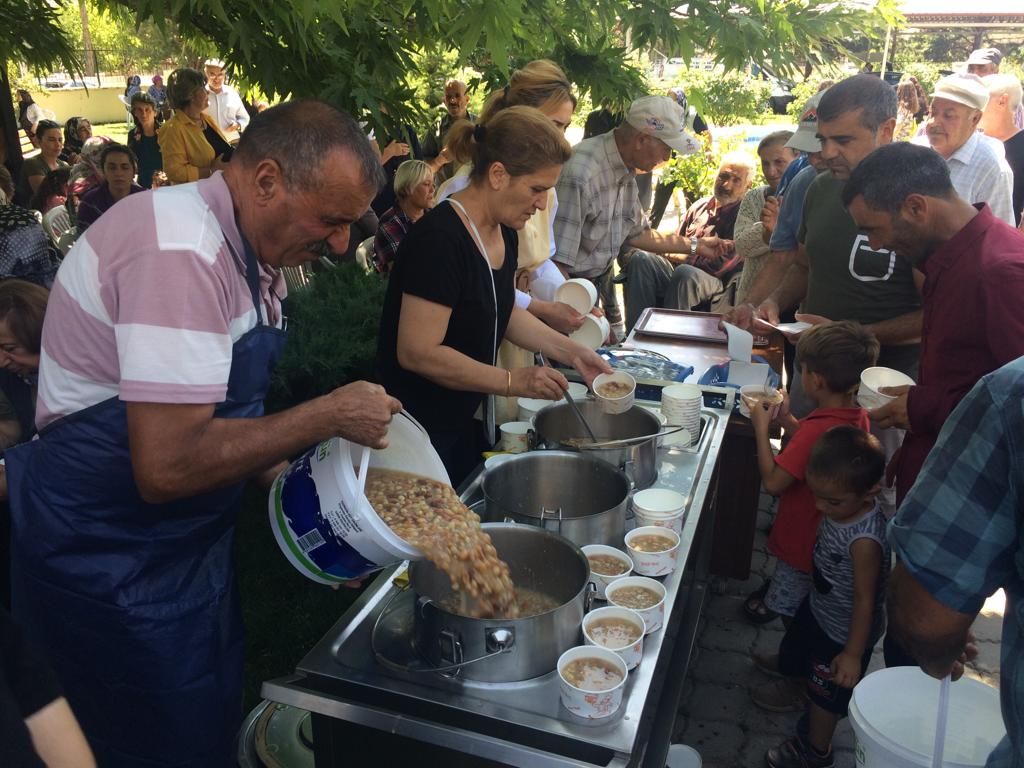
(959, 538)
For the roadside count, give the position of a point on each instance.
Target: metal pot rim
(534, 531)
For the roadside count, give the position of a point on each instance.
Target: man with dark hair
(835, 274)
(902, 198)
(158, 344)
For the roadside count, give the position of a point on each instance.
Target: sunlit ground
(995, 605)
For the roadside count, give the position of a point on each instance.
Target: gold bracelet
(508, 383)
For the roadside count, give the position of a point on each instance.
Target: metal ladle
(572, 403)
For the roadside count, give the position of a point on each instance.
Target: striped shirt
(149, 302)
(832, 595)
(598, 207)
(959, 531)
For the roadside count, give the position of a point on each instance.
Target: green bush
(725, 98)
(926, 73)
(332, 335)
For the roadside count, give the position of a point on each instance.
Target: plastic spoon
(940, 723)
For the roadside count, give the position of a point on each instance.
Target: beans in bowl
(651, 543)
(430, 516)
(614, 389)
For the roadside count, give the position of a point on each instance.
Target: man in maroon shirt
(902, 198)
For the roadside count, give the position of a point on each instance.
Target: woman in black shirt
(450, 298)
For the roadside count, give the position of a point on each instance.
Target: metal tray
(680, 324)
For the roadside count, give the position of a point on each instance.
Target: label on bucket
(311, 528)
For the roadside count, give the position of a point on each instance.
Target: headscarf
(72, 144)
(87, 174)
(15, 217)
(679, 96)
(134, 86)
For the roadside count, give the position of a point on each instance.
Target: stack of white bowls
(680, 404)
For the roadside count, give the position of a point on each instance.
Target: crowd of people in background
(887, 221)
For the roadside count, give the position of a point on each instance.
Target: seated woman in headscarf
(191, 143)
(451, 295)
(77, 131)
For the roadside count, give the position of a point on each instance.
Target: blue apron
(135, 604)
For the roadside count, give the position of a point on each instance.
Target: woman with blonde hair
(541, 84)
(451, 296)
(414, 192)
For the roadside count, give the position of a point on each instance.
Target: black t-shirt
(1015, 157)
(26, 686)
(439, 261)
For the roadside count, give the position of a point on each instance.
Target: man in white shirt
(977, 165)
(226, 106)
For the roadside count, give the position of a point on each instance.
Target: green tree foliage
(332, 336)
(123, 45)
(30, 33)
(362, 53)
(726, 98)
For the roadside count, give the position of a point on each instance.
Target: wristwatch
(693, 247)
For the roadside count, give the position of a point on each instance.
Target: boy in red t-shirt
(830, 358)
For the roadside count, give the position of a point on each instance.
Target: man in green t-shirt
(835, 274)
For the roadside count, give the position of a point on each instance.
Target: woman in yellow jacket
(192, 145)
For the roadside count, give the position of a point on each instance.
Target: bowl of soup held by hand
(615, 391)
(759, 396)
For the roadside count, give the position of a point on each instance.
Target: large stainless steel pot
(556, 426)
(516, 649)
(572, 494)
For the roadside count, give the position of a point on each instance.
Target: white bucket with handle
(322, 520)
(894, 714)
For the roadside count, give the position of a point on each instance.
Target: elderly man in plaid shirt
(959, 538)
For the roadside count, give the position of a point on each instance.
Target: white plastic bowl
(591, 704)
(660, 507)
(619, 404)
(873, 379)
(654, 617)
(750, 394)
(592, 333)
(653, 563)
(578, 293)
(601, 581)
(631, 653)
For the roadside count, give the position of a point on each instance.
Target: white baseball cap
(965, 89)
(662, 118)
(806, 138)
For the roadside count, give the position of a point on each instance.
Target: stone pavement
(718, 718)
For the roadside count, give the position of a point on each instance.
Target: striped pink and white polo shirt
(148, 303)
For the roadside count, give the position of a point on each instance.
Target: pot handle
(588, 598)
(532, 441)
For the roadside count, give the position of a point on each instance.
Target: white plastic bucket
(682, 756)
(323, 523)
(893, 714)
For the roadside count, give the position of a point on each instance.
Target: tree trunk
(88, 56)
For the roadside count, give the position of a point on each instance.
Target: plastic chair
(56, 222)
(364, 254)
